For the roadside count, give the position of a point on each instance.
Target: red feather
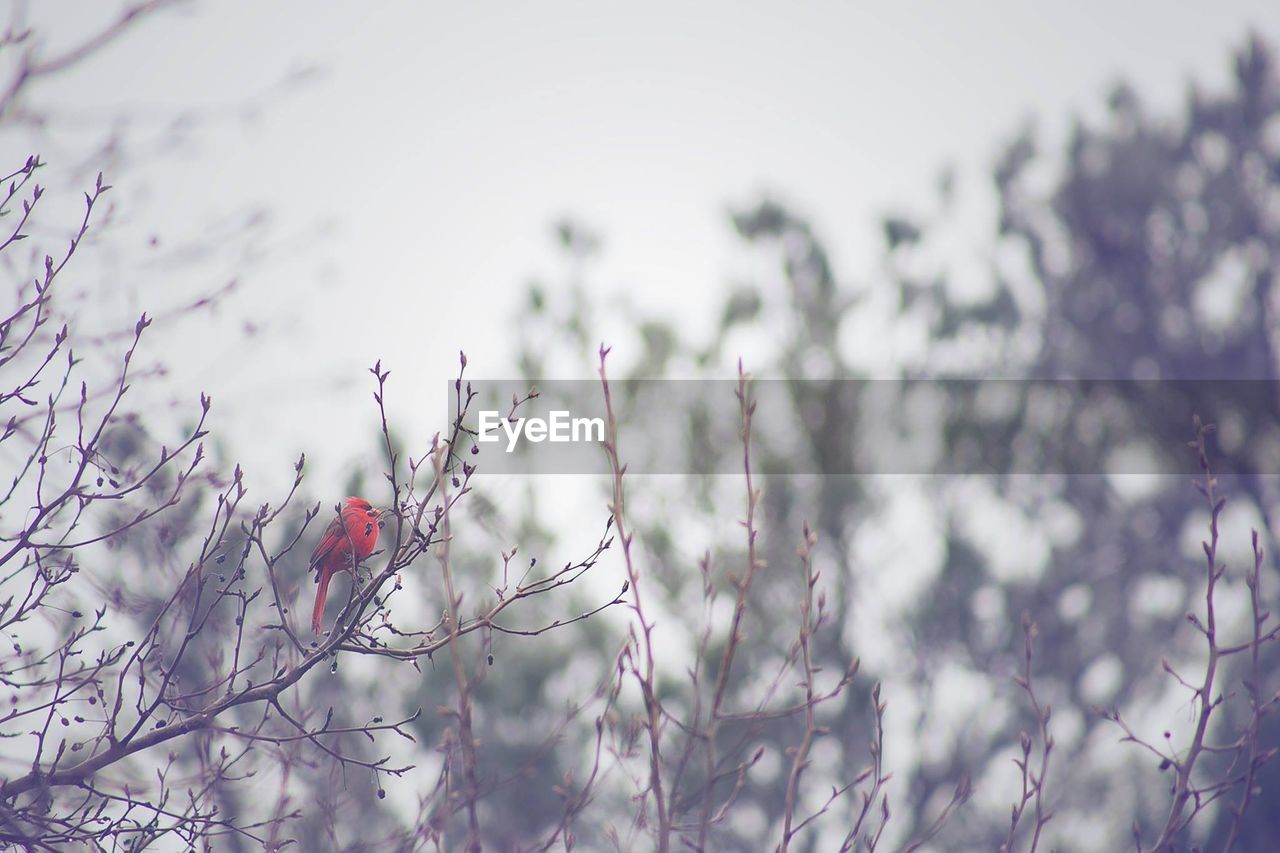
(348, 539)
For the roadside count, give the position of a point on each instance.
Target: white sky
(439, 141)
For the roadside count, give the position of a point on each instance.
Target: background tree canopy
(1148, 253)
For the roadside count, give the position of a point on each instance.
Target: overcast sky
(411, 174)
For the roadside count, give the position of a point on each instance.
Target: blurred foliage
(1145, 249)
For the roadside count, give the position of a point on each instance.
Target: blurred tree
(1150, 254)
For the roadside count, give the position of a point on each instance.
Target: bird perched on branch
(350, 538)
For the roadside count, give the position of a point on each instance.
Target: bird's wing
(333, 535)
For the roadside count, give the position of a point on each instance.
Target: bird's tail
(322, 592)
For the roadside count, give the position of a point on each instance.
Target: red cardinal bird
(350, 538)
